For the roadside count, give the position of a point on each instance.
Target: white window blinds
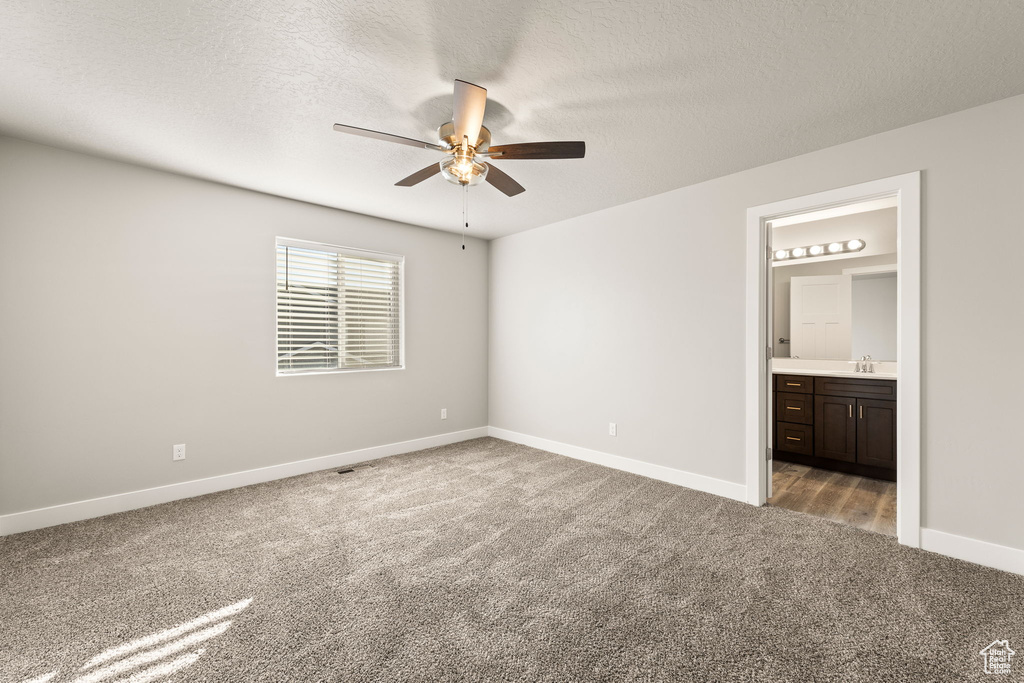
(337, 308)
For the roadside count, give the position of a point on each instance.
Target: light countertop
(834, 373)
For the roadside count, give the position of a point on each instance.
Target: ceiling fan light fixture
(463, 170)
(465, 139)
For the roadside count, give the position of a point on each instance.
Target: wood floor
(861, 502)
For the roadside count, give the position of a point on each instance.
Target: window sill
(340, 371)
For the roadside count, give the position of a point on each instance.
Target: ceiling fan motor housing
(446, 136)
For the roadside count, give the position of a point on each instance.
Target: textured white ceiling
(665, 94)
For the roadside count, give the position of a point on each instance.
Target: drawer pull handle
(791, 408)
(861, 410)
(851, 409)
(794, 384)
(794, 438)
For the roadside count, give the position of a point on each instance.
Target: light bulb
(817, 249)
(854, 244)
(835, 247)
(798, 252)
(781, 254)
(463, 170)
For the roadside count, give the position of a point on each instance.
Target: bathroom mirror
(840, 305)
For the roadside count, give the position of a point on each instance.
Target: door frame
(906, 189)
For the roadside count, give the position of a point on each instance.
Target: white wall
(137, 311)
(875, 316)
(635, 315)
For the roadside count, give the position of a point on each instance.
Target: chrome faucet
(865, 365)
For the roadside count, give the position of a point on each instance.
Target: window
(337, 308)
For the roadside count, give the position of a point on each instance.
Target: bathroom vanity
(841, 421)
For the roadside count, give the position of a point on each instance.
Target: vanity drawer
(794, 438)
(794, 407)
(855, 387)
(794, 384)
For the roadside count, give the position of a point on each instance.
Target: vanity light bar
(829, 249)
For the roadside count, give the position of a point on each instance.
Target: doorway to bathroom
(833, 298)
(833, 356)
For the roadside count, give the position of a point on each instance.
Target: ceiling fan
(467, 144)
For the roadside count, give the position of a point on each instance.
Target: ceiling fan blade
(468, 110)
(503, 181)
(539, 150)
(420, 175)
(387, 137)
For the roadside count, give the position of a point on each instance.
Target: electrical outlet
(611, 429)
(444, 413)
(179, 452)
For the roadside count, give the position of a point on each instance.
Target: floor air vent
(357, 468)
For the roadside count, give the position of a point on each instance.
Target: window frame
(354, 252)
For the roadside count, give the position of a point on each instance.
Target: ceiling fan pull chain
(465, 213)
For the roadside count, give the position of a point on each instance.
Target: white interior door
(821, 316)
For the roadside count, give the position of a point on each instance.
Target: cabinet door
(876, 433)
(835, 428)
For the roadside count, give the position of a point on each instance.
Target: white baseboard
(719, 487)
(979, 552)
(132, 500)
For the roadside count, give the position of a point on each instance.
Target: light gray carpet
(489, 561)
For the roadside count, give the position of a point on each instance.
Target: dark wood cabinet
(835, 428)
(857, 388)
(876, 432)
(840, 423)
(797, 408)
(794, 384)
(796, 438)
